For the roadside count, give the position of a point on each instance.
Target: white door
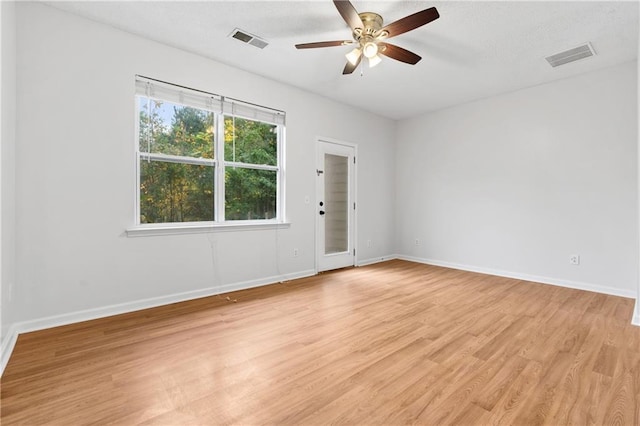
(335, 208)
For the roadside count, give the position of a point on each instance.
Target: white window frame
(177, 94)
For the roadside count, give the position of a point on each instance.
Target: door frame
(353, 146)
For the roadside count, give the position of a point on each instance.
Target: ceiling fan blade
(349, 68)
(411, 22)
(398, 53)
(349, 14)
(323, 44)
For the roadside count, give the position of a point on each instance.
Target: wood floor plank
(495, 387)
(621, 409)
(606, 360)
(538, 407)
(507, 407)
(573, 386)
(391, 343)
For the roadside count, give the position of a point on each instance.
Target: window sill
(201, 228)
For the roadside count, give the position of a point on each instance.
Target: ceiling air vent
(245, 37)
(571, 55)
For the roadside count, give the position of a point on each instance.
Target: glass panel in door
(336, 197)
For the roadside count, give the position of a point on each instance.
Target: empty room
(319, 212)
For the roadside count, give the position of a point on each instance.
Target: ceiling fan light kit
(374, 61)
(370, 49)
(369, 35)
(354, 55)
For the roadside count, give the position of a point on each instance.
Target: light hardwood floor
(391, 343)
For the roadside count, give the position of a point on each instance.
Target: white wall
(75, 173)
(636, 316)
(7, 156)
(516, 183)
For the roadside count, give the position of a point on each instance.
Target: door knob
(321, 212)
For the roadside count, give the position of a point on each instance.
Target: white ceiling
(475, 50)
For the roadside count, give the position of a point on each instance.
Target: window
(251, 169)
(176, 162)
(204, 158)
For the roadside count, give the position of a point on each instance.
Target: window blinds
(232, 107)
(160, 90)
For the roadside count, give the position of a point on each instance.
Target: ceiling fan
(369, 35)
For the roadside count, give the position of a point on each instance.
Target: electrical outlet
(295, 252)
(417, 242)
(574, 259)
(369, 243)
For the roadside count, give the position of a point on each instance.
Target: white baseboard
(90, 314)
(371, 261)
(525, 277)
(286, 277)
(636, 316)
(8, 343)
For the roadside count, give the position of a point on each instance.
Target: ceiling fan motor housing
(372, 23)
(369, 36)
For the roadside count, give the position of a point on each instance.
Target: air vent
(571, 55)
(245, 37)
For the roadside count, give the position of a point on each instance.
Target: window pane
(174, 192)
(248, 141)
(250, 194)
(173, 129)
